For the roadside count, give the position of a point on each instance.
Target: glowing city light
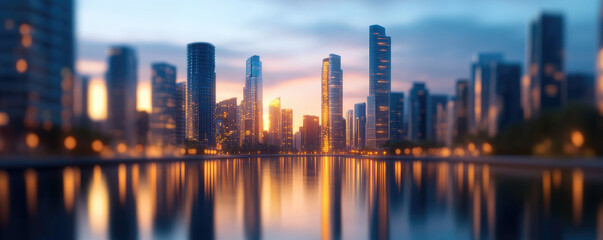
(32, 140)
(97, 145)
(70, 143)
(577, 138)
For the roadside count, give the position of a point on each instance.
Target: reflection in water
(309, 198)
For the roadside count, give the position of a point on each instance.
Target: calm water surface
(301, 198)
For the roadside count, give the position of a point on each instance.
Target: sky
(432, 40)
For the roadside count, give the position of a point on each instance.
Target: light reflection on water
(301, 198)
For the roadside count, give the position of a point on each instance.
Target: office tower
(297, 139)
(599, 82)
(324, 108)
(163, 114)
(580, 89)
(122, 77)
(349, 129)
(371, 137)
(505, 97)
(81, 103)
(311, 134)
(479, 93)
(287, 128)
(332, 124)
(461, 110)
(448, 121)
(253, 123)
(437, 105)
(227, 115)
(180, 113)
(274, 117)
(379, 85)
(142, 130)
(546, 63)
(396, 117)
(417, 122)
(360, 125)
(36, 67)
(201, 94)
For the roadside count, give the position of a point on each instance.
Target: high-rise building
(274, 117)
(122, 77)
(311, 134)
(599, 81)
(287, 128)
(479, 93)
(580, 89)
(142, 130)
(253, 123)
(417, 121)
(297, 139)
(461, 109)
(36, 67)
(349, 129)
(180, 113)
(546, 63)
(163, 114)
(437, 106)
(201, 93)
(379, 85)
(371, 137)
(360, 125)
(332, 123)
(396, 117)
(505, 97)
(227, 115)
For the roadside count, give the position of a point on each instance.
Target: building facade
(379, 85)
(201, 94)
(180, 113)
(479, 94)
(396, 117)
(311, 134)
(287, 129)
(332, 123)
(227, 115)
(122, 78)
(162, 121)
(274, 117)
(437, 106)
(360, 125)
(417, 121)
(461, 110)
(253, 123)
(349, 129)
(505, 97)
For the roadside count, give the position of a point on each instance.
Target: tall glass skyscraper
(253, 123)
(122, 78)
(417, 121)
(505, 98)
(201, 94)
(336, 120)
(180, 113)
(360, 125)
(349, 129)
(479, 94)
(162, 122)
(324, 108)
(371, 141)
(379, 84)
(546, 63)
(274, 117)
(36, 67)
(396, 116)
(287, 128)
(227, 115)
(436, 115)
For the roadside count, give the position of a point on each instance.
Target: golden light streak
(600, 222)
(4, 197)
(98, 204)
(546, 190)
(121, 178)
(68, 188)
(326, 200)
(97, 99)
(135, 177)
(470, 176)
(416, 172)
(557, 177)
(460, 175)
(577, 194)
(477, 212)
(31, 190)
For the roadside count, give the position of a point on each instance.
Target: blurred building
(396, 117)
(122, 78)
(479, 90)
(201, 94)
(333, 126)
(371, 137)
(163, 114)
(36, 67)
(580, 89)
(359, 125)
(287, 128)
(142, 128)
(82, 119)
(437, 106)
(297, 139)
(310, 134)
(461, 109)
(505, 97)
(274, 117)
(349, 129)
(546, 63)
(417, 121)
(227, 114)
(252, 105)
(379, 85)
(180, 113)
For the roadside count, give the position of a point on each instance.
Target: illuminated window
(21, 65)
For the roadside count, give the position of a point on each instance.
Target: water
(301, 198)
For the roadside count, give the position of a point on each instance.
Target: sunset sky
(432, 41)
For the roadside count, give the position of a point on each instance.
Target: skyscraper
(227, 115)
(201, 93)
(349, 129)
(461, 109)
(311, 134)
(253, 123)
(417, 121)
(546, 63)
(396, 116)
(436, 117)
(180, 113)
(274, 117)
(505, 97)
(37, 65)
(580, 89)
(371, 137)
(122, 77)
(379, 84)
(360, 125)
(163, 114)
(333, 126)
(287, 128)
(479, 94)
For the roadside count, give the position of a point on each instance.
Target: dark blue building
(396, 117)
(505, 97)
(417, 121)
(201, 94)
(180, 113)
(436, 114)
(122, 77)
(479, 93)
(580, 89)
(360, 125)
(163, 115)
(379, 84)
(461, 109)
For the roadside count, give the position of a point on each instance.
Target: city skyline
(288, 70)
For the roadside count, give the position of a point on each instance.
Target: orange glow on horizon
(97, 99)
(143, 97)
